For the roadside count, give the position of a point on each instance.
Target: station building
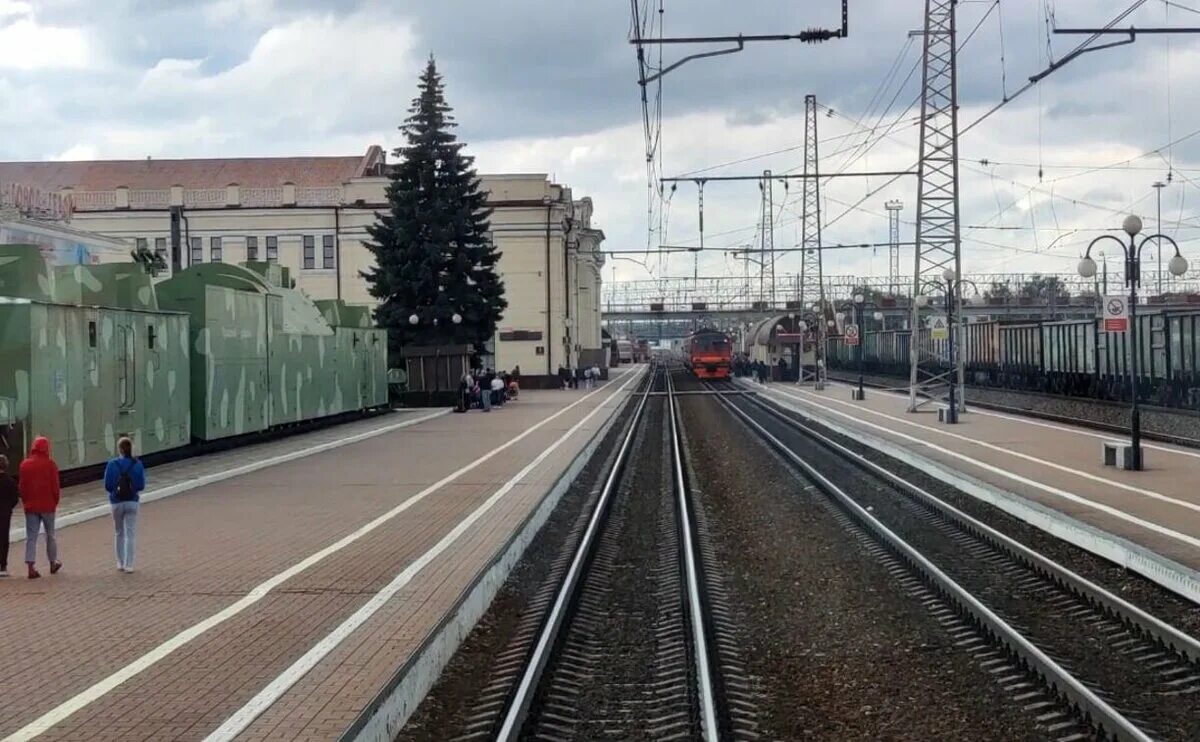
(310, 215)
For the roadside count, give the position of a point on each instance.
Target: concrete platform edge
(98, 511)
(1163, 571)
(387, 714)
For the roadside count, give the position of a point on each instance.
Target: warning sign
(939, 330)
(851, 334)
(1116, 313)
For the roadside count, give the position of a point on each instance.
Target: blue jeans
(33, 526)
(485, 399)
(125, 516)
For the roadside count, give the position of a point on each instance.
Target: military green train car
(87, 356)
(264, 355)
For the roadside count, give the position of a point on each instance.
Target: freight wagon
(1071, 357)
(91, 353)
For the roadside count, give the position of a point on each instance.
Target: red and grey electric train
(708, 354)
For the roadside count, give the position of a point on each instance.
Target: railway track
(630, 642)
(1081, 659)
(1081, 422)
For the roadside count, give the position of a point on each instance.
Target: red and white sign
(851, 334)
(1116, 313)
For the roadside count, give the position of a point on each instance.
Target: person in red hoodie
(39, 497)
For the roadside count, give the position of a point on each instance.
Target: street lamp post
(1178, 265)
(414, 319)
(951, 415)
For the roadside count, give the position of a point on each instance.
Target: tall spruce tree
(433, 253)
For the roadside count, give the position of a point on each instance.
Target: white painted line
(97, 691)
(244, 716)
(1150, 494)
(104, 509)
(1044, 424)
(1070, 496)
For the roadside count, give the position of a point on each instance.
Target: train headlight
(1087, 267)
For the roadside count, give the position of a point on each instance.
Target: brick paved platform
(1149, 520)
(85, 501)
(241, 581)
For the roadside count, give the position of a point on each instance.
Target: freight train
(1071, 357)
(708, 353)
(91, 353)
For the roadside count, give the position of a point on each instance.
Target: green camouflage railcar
(264, 355)
(86, 356)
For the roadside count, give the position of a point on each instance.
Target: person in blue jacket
(124, 480)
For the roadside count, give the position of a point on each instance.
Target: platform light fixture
(1178, 265)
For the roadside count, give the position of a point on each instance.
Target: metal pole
(859, 322)
(771, 229)
(1158, 186)
(952, 412)
(1133, 268)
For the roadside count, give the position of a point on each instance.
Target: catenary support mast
(938, 246)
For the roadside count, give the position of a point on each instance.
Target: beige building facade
(311, 215)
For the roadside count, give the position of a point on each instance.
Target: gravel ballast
(838, 648)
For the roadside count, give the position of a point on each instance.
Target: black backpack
(125, 491)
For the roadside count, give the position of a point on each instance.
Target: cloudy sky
(551, 87)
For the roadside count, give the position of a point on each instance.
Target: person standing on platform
(9, 497)
(497, 390)
(485, 393)
(124, 480)
(40, 493)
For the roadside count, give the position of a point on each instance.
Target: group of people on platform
(38, 490)
(757, 370)
(486, 389)
(570, 377)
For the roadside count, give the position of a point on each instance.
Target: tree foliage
(434, 256)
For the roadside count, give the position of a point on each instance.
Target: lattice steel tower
(893, 208)
(938, 241)
(812, 287)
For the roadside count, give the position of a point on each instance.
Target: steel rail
(518, 708)
(1094, 707)
(1165, 633)
(706, 695)
(1054, 417)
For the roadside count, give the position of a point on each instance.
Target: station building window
(160, 247)
(214, 249)
(310, 252)
(327, 252)
(272, 249)
(251, 248)
(197, 248)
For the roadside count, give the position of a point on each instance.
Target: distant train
(708, 353)
(623, 352)
(92, 353)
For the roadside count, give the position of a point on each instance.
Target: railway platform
(298, 598)
(1048, 474)
(86, 501)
